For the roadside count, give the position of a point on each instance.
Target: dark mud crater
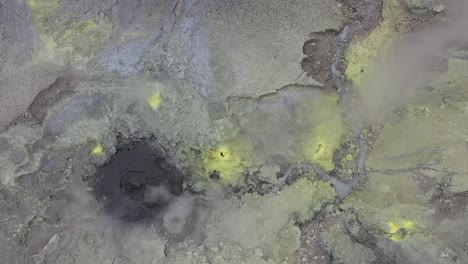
(137, 183)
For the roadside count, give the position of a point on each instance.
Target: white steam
(415, 63)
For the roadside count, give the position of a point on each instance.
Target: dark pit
(137, 183)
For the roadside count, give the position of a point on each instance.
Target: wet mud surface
(319, 51)
(61, 87)
(126, 184)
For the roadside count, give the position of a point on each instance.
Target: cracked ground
(220, 131)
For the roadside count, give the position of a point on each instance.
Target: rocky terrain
(219, 131)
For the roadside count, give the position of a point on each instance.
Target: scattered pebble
(214, 249)
(258, 252)
(445, 253)
(303, 259)
(439, 8)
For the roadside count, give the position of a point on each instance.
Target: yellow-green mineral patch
(398, 230)
(318, 143)
(229, 161)
(84, 36)
(41, 10)
(402, 146)
(98, 149)
(265, 221)
(154, 100)
(362, 52)
(431, 133)
(325, 138)
(391, 202)
(344, 249)
(68, 41)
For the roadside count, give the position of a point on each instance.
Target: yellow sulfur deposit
(98, 149)
(229, 161)
(362, 52)
(84, 36)
(71, 41)
(320, 141)
(41, 9)
(398, 231)
(154, 101)
(325, 139)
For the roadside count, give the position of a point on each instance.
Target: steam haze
(415, 63)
